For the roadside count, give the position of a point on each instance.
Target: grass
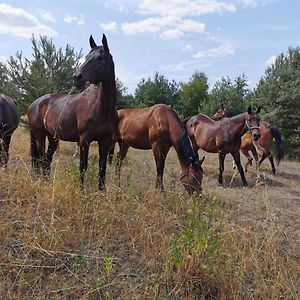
(133, 242)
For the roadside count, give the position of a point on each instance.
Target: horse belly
(207, 143)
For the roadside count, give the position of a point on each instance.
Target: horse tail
(184, 121)
(278, 143)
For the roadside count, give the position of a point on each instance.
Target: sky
(173, 37)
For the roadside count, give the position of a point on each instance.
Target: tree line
(278, 91)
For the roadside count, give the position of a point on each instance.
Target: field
(134, 242)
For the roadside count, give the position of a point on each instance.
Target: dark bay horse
(9, 121)
(223, 136)
(261, 148)
(82, 118)
(159, 128)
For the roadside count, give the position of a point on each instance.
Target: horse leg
(123, 149)
(84, 153)
(40, 146)
(237, 160)
(249, 158)
(104, 147)
(5, 148)
(221, 167)
(160, 154)
(111, 154)
(272, 163)
(52, 147)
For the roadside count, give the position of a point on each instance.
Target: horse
(261, 149)
(158, 128)
(9, 121)
(223, 136)
(85, 117)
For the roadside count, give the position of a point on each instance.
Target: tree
(156, 90)
(193, 95)
(231, 95)
(123, 99)
(278, 92)
(50, 70)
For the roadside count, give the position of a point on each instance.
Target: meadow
(133, 242)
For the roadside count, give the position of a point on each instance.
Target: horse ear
(92, 42)
(249, 109)
(258, 110)
(104, 43)
(222, 106)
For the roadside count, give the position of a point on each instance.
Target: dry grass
(136, 243)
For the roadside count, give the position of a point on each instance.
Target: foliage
(278, 92)
(156, 90)
(123, 99)
(193, 95)
(231, 95)
(49, 70)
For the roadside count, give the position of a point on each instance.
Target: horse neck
(107, 95)
(239, 120)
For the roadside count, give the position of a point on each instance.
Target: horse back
(142, 127)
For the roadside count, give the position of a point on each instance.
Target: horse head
(192, 177)
(252, 122)
(222, 113)
(98, 65)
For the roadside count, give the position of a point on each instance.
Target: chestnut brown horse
(223, 136)
(9, 121)
(82, 118)
(159, 128)
(261, 149)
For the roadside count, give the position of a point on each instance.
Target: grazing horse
(159, 128)
(82, 118)
(223, 136)
(260, 148)
(9, 121)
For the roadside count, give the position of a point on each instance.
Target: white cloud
(21, 23)
(218, 52)
(270, 60)
(110, 26)
(187, 48)
(248, 3)
(46, 15)
(74, 19)
(183, 8)
(171, 34)
(169, 26)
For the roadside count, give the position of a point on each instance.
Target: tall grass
(133, 242)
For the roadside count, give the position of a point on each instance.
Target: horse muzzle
(79, 80)
(255, 136)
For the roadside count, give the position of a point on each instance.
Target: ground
(133, 242)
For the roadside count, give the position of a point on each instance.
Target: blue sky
(173, 37)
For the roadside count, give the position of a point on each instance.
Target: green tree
(123, 98)
(278, 93)
(193, 95)
(49, 70)
(233, 95)
(156, 90)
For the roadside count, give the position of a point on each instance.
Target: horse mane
(184, 150)
(183, 145)
(184, 121)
